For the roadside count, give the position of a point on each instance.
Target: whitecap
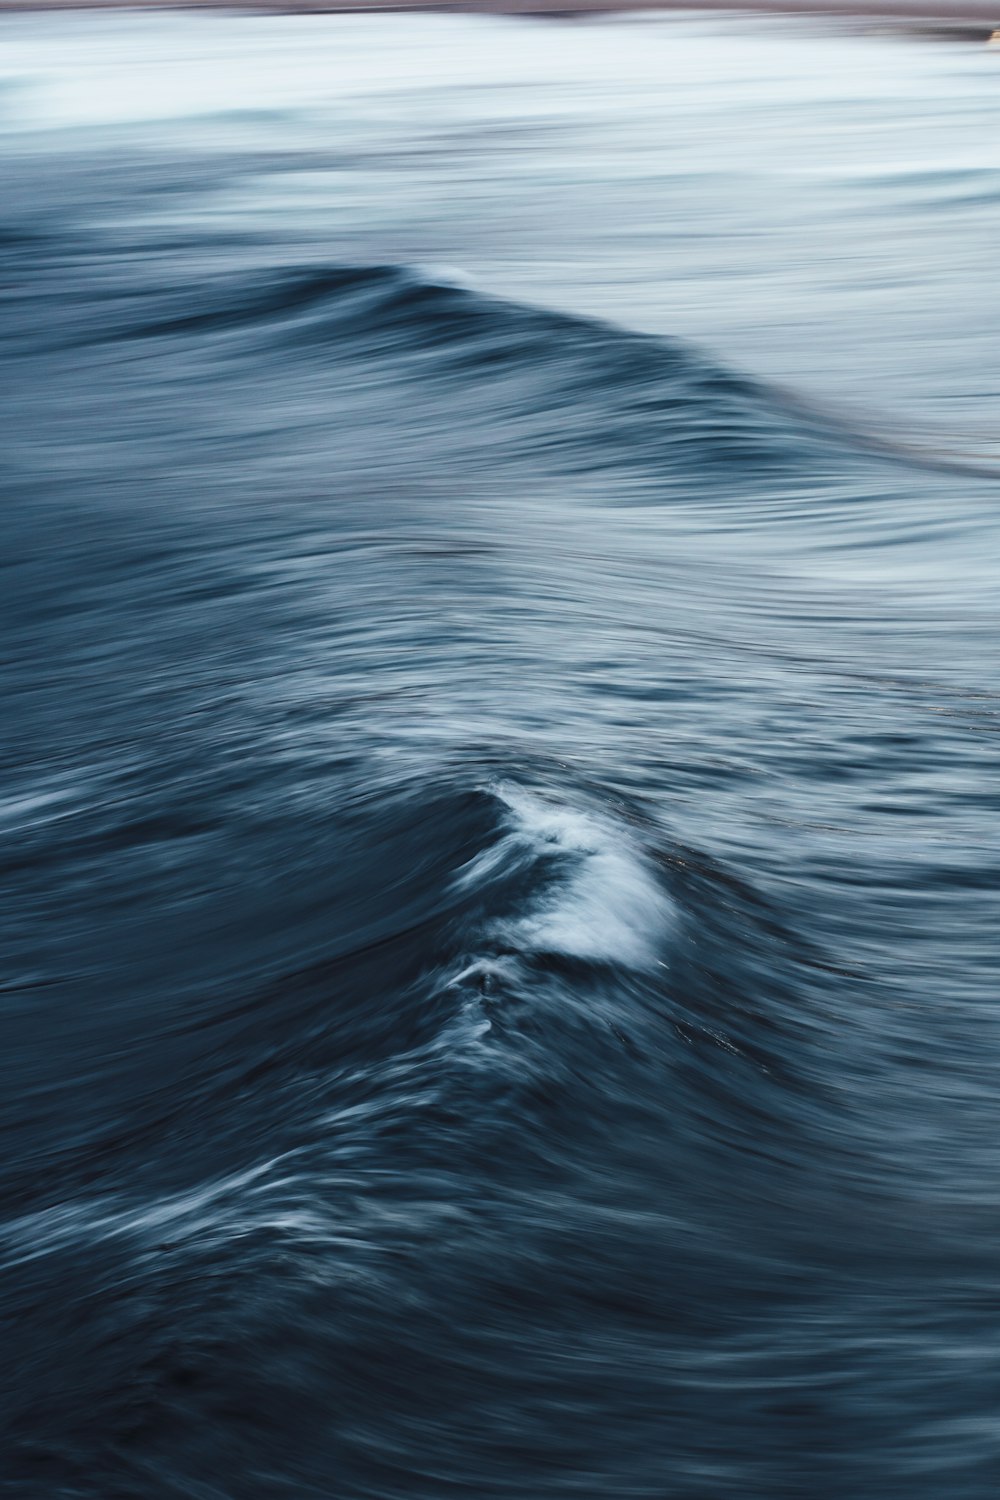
(602, 902)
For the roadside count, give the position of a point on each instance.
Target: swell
(555, 945)
(653, 397)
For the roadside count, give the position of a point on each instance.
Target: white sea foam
(602, 900)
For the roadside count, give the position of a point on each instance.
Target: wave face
(499, 963)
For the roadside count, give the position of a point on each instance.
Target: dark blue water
(500, 842)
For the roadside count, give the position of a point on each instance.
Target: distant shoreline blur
(977, 17)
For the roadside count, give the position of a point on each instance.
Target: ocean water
(501, 679)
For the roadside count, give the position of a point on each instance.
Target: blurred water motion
(500, 950)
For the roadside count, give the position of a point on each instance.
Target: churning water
(501, 680)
